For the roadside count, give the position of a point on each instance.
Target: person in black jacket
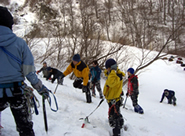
(170, 95)
(56, 75)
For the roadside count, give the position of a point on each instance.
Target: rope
(49, 101)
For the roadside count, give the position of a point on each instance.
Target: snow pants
(115, 118)
(134, 97)
(172, 99)
(60, 81)
(19, 109)
(78, 84)
(98, 87)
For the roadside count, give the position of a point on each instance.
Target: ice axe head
(86, 120)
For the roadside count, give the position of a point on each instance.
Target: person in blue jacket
(16, 63)
(170, 95)
(95, 79)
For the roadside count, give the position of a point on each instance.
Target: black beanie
(6, 18)
(109, 63)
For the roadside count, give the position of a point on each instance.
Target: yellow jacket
(80, 70)
(113, 85)
(118, 71)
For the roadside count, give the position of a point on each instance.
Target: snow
(159, 119)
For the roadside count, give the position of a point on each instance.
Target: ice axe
(56, 88)
(86, 120)
(125, 102)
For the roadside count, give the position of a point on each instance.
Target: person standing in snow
(112, 92)
(133, 91)
(81, 71)
(170, 95)
(56, 75)
(17, 62)
(44, 70)
(95, 79)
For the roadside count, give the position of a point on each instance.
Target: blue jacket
(95, 73)
(10, 70)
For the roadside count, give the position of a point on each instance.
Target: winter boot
(116, 131)
(94, 95)
(138, 109)
(88, 96)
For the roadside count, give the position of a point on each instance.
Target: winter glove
(127, 94)
(84, 89)
(42, 90)
(37, 71)
(94, 81)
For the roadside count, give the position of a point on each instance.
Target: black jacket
(56, 73)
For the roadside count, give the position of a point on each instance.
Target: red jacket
(132, 84)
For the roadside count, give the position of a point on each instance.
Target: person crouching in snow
(170, 95)
(81, 71)
(133, 90)
(56, 75)
(112, 92)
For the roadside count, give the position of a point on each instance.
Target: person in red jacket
(133, 90)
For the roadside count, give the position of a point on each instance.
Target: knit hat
(165, 89)
(110, 62)
(76, 57)
(44, 62)
(131, 70)
(6, 18)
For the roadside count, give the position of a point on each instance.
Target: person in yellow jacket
(81, 71)
(112, 92)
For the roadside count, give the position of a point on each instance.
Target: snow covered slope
(159, 119)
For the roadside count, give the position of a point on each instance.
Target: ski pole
(44, 113)
(56, 88)
(125, 102)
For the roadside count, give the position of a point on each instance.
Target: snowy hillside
(159, 119)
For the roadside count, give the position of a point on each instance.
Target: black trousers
(172, 99)
(115, 118)
(78, 83)
(134, 97)
(98, 87)
(19, 109)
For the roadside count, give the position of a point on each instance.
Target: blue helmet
(131, 70)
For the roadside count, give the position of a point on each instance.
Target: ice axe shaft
(56, 88)
(125, 102)
(86, 120)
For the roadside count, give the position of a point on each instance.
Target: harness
(12, 85)
(113, 106)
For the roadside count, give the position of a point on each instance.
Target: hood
(6, 36)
